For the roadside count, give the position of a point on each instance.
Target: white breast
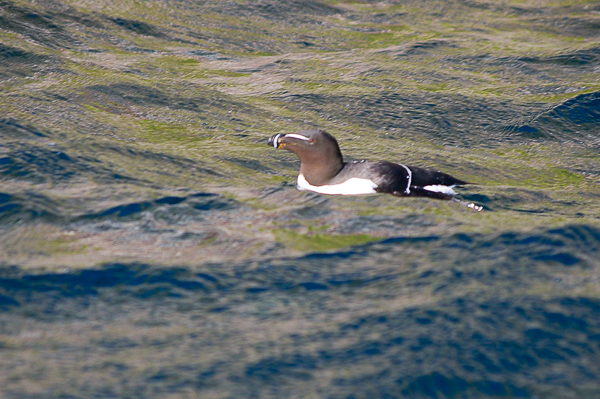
(353, 186)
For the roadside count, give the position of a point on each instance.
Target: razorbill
(323, 170)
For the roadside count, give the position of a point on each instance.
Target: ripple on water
(575, 119)
(476, 331)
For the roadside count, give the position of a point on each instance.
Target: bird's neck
(319, 172)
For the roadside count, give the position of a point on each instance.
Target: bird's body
(323, 171)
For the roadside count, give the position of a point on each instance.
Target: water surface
(153, 245)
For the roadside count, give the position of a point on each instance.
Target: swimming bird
(323, 170)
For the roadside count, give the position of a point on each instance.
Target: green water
(152, 244)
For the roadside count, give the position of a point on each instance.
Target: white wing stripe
(439, 188)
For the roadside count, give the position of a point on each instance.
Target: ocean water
(153, 245)
(423, 316)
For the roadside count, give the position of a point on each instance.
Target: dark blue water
(476, 335)
(441, 304)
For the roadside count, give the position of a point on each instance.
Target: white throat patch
(297, 136)
(353, 186)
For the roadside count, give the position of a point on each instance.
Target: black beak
(274, 140)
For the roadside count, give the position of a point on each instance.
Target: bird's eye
(311, 141)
